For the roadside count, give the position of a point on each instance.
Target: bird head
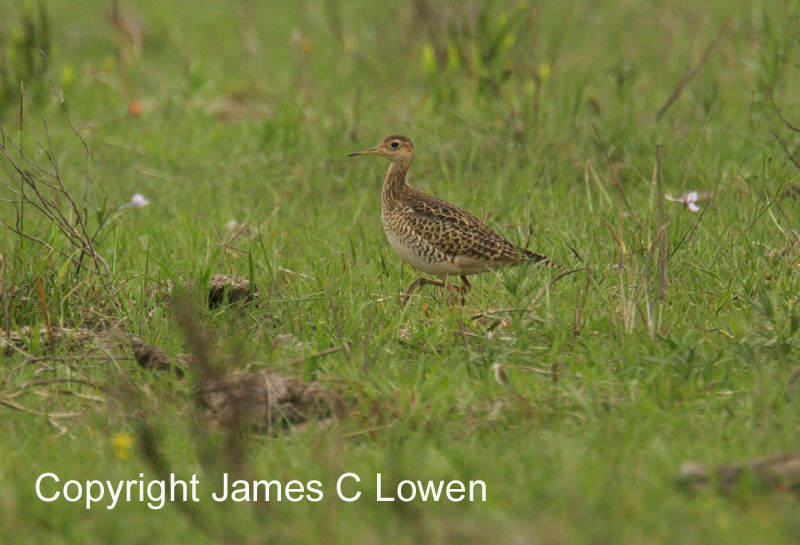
(398, 149)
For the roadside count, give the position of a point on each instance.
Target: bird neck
(395, 181)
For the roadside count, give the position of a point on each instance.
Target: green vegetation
(679, 343)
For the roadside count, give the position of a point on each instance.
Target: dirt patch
(234, 289)
(263, 401)
(152, 358)
(778, 473)
(221, 288)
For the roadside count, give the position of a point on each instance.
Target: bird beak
(370, 151)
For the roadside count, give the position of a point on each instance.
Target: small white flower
(139, 201)
(690, 200)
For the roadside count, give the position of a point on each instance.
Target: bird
(434, 236)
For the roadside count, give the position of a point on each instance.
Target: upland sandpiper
(434, 236)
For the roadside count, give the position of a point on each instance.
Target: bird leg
(461, 290)
(465, 286)
(417, 284)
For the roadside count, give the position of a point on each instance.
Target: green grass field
(679, 343)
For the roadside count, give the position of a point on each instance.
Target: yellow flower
(123, 444)
(429, 60)
(544, 72)
(67, 75)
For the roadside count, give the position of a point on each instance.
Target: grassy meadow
(565, 125)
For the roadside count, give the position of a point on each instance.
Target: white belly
(424, 257)
(421, 255)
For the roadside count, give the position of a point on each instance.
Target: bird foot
(461, 290)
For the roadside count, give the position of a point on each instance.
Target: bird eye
(395, 144)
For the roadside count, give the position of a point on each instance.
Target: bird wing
(456, 232)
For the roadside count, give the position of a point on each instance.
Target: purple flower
(689, 199)
(139, 201)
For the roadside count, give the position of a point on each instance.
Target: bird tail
(542, 259)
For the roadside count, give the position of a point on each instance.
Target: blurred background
(171, 93)
(503, 71)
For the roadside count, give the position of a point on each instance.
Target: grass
(541, 119)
